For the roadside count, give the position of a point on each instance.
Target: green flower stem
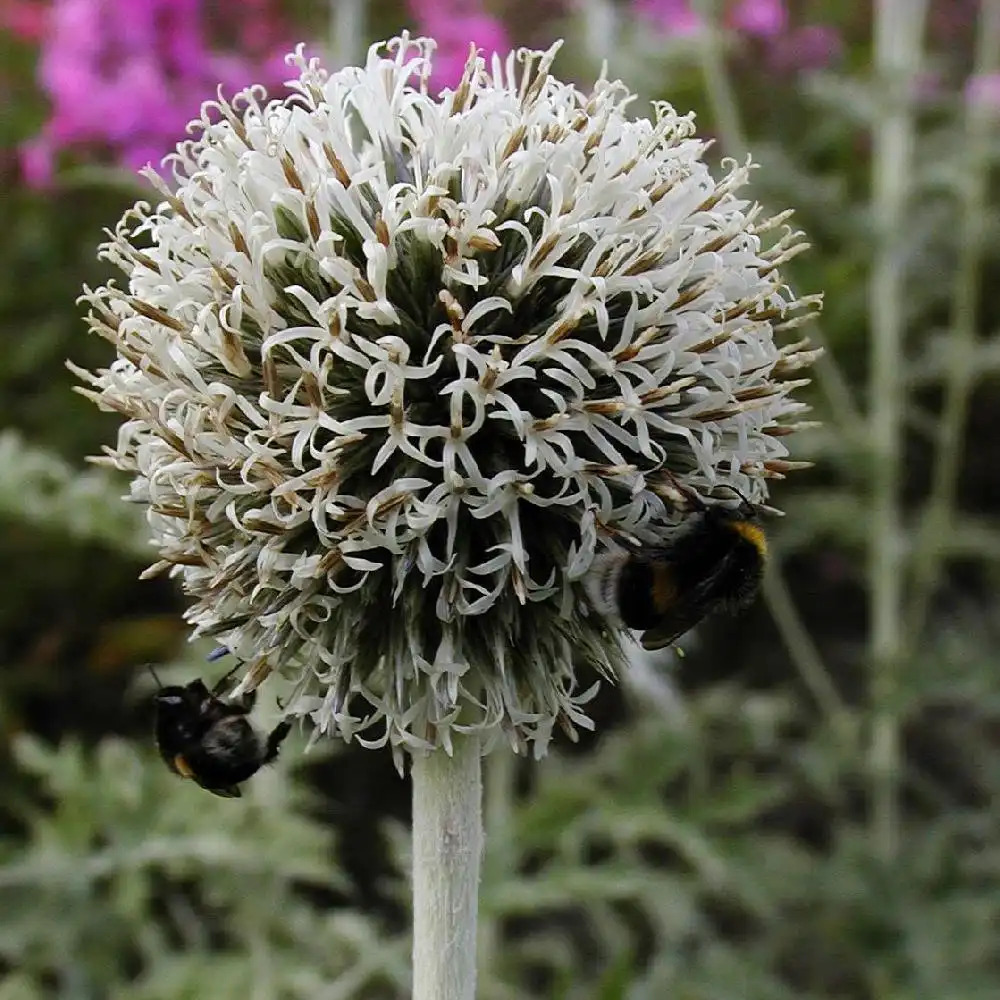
(899, 28)
(447, 848)
(961, 372)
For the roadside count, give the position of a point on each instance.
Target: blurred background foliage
(804, 805)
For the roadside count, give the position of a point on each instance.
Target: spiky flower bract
(394, 367)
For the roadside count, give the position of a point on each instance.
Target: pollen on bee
(664, 588)
(753, 533)
(182, 767)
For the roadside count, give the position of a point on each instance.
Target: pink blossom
(454, 25)
(674, 17)
(983, 91)
(35, 158)
(761, 18)
(927, 86)
(950, 19)
(25, 19)
(811, 47)
(125, 76)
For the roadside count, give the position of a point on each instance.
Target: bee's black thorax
(204, 737)
(717, 561)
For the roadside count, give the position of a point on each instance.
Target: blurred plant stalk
(898, 33)
(720, 91)
(347, 31)
(961, 373)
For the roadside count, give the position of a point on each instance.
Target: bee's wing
(226, 792)
(674, 624)
(688, 609)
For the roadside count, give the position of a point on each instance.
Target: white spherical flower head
(395, 367)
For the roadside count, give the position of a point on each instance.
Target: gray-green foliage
(134, 884)
(722, 859)
(41, 489)
(662, 865)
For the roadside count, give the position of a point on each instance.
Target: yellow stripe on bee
(664, 589)
(182, 766)
(753, 533)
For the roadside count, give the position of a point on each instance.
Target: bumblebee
(716, 562)
(208, 738)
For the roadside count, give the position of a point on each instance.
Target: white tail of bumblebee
(601, 583)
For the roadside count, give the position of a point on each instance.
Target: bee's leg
(695, 501)
(221, 682)
(225, 708)
(236, 706)
(275, 739)
(246, 702)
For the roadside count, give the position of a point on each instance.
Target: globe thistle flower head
(396, 367)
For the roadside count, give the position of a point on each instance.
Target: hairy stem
(898, 34)
(447, 848)
(347, 31)
(960, 376)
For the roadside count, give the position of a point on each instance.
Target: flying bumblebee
(205, 737)
(715, 562)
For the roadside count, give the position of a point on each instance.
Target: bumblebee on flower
(395, 367)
